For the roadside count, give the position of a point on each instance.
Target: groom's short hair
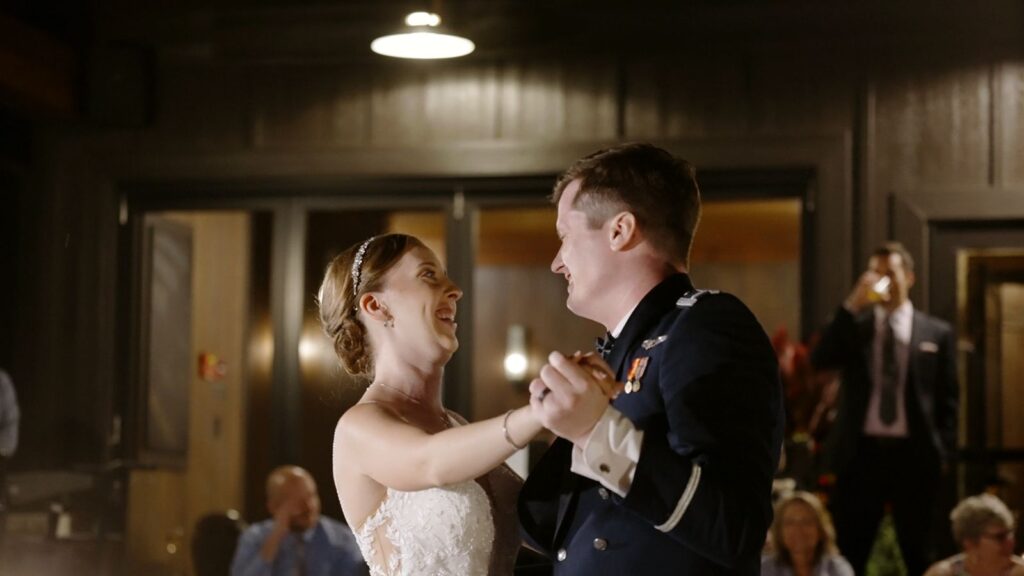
(659, 189)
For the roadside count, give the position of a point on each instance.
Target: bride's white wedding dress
(436, 532)
(464, 529)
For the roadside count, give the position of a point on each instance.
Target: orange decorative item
(211, 368)
(636, 372)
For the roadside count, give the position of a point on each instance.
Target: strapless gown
(436, 532)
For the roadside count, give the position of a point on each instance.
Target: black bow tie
(604, 345)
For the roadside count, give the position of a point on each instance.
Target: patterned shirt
(329, 549)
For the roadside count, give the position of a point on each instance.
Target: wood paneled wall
(915, 125)
(220, 326)
(164, 505)
(941, 126)
(278, 107)
(66, 324)
(530, 296)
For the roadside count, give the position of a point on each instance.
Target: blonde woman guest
(983, 526)
(803, 540)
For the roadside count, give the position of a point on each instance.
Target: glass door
(326, 390)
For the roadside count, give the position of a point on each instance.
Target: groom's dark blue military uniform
(708, 399)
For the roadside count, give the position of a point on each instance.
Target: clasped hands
(571, 393)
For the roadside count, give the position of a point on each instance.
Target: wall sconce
(516, 359)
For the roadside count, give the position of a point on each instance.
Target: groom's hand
(574, 399)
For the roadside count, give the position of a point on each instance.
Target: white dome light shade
(420, 42)
(422, 45)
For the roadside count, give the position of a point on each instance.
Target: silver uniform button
(562, 554)
(600, 544)
(603, 493)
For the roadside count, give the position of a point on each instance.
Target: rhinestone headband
(357, 265)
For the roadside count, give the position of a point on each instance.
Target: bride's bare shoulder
(365, 415)
(372, 424)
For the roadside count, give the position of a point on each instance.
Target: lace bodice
(433, 532)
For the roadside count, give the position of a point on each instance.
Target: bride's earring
(389, 322)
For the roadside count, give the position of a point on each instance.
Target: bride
(424, 491)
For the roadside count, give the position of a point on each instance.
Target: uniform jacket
(709, 404)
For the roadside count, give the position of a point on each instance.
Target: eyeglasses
(999, 536)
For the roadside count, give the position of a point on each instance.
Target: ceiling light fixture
(423, 40)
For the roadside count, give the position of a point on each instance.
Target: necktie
(299, 569)
(890, 375)
(604, 345)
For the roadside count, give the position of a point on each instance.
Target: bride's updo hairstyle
(354, 272)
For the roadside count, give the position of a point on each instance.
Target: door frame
(926, 222)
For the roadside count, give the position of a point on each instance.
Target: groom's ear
(623, 233)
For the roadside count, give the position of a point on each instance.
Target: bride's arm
(403, 457)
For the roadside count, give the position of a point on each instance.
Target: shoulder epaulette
(691, 297)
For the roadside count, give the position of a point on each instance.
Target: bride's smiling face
(422, 301)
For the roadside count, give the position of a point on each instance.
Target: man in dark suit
(897, 418)
(674, 476)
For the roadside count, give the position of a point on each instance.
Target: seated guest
(296, 539)
(983, 526)
(803, 541)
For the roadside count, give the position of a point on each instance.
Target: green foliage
(885, 559)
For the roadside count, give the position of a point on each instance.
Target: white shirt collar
(902, 315)
(622, 323)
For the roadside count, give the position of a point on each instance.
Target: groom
(674, 476)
